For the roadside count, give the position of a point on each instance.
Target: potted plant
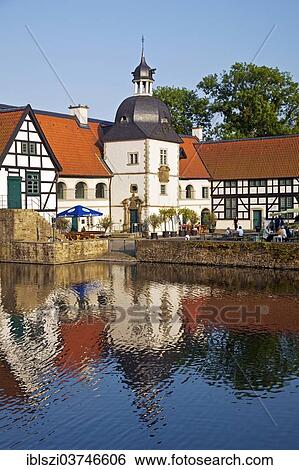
(164, 218)
(172, 214)
(193, 218)
(182, 212)
(186, 215)
(62, 224)
(105, 222)
(155, 221)
(210, 220)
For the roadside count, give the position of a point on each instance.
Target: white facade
(95, 196)
(142, 177)
(253, 201)
(195, 194)
(28, 173)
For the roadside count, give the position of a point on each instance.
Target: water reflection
(137, 331)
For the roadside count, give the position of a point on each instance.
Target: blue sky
(94, 45)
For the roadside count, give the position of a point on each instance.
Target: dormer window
(164, 120)
(123, 119)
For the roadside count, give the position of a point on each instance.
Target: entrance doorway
(134, 220)
(257, 220)
(14, 195)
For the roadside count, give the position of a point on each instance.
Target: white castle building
(136, 165)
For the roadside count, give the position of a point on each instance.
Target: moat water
(107, 356)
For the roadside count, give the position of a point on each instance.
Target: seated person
(228, 232)
(240, 231)
(281, 234)
(268, 234)
(289, 232)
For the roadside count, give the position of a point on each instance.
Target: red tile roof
(270, 157)
(76, 148)
(8, 123)
(191, 167)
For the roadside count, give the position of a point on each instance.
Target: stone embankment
(25, 238)
(213, 253)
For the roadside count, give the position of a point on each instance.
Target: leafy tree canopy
(186, 107)
(252, 101)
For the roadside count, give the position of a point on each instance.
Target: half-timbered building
(252, 178)
(28, 167)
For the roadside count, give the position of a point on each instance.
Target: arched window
(101, 191)
(189, 192)
(61, 190)
(81, 190)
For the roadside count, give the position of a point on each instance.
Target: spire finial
(142, 47)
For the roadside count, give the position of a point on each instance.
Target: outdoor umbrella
(79, 211)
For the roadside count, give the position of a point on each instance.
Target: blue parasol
(79, 211)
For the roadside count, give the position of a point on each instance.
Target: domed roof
(143, 109)
(142, 116)
(143, 71)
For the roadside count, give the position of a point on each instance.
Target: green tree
(155, 221)
(164, 214)
(252, 101)
(62, 224)
(186, 107)
(189, 215)
(105, 223)
(172, 214)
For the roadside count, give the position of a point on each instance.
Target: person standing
(236, 223)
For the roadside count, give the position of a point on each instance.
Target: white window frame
(24, 148)
(163, 156)
(32, 148)
(165, 187)
(205, 189)
(133, 161)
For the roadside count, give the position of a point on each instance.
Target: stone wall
(23, 225)
(53, 253)
(237, 254)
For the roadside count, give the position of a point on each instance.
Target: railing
(3, 201)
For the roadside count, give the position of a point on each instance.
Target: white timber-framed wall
(244, 198)
(30, 162)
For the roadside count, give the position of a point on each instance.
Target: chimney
(81, 113)
(197, 132)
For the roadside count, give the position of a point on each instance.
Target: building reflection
(152, 321)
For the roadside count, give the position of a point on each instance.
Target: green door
(14, 196)
(257, 220)
(134, 220)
